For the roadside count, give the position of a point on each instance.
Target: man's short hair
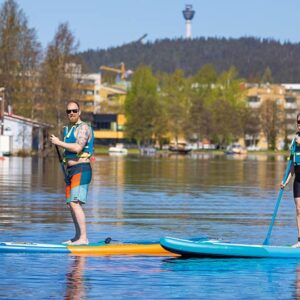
(73, 101)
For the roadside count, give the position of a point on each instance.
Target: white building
(23, 135)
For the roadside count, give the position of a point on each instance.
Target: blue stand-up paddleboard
(215, 248)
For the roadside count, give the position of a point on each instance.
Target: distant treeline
(250, 56)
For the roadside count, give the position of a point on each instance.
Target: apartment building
(102, 104)
(287, 96)
(88, 92)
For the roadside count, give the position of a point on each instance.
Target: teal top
(295, 152)
(69, 137)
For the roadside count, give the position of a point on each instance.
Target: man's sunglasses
(75, 111)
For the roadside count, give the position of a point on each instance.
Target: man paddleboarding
(295, 170)
(78, 145)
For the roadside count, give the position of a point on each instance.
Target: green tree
(142, 107)
(176, 98)
(206, 76)
(20, 57)
(29, 93)
(202, 85)
(272, 121)
(252, 125)
(58, 74)
(267, 76)
(227, 107)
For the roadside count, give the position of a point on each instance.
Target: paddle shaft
(61, 161)
(286, 174)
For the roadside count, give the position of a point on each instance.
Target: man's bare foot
(79, 242)
(68, 242)
(297, 245)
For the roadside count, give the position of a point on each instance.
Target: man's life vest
(295, 151)
(70, 138)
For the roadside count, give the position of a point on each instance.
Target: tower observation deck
(188, 15)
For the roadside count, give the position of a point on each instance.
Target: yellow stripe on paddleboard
(121, 249)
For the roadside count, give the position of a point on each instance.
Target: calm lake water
(145, 198)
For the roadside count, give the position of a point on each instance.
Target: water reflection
(237, 278)
(205, 278)
(199, 171)
(75, 283)
(109, 173)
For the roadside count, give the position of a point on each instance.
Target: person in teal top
(78, 149)
(295, 171)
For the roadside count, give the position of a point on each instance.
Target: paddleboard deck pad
(215, 249)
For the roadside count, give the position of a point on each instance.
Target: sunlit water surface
(145, 198)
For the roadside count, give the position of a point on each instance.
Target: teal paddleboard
(215, 248)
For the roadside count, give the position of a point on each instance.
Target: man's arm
(82, 136)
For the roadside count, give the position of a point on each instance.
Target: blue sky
(99, 24)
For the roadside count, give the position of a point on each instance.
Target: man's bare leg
(79, 222)
(297, 204)
(77, 229)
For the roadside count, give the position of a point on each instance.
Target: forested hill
(250, 56)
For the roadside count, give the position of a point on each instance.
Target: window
(253, 99)
(86, 81)
(102, 125)
(89, 104)
(290, 99)
(87, 92)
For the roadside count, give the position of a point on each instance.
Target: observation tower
(188, 15)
